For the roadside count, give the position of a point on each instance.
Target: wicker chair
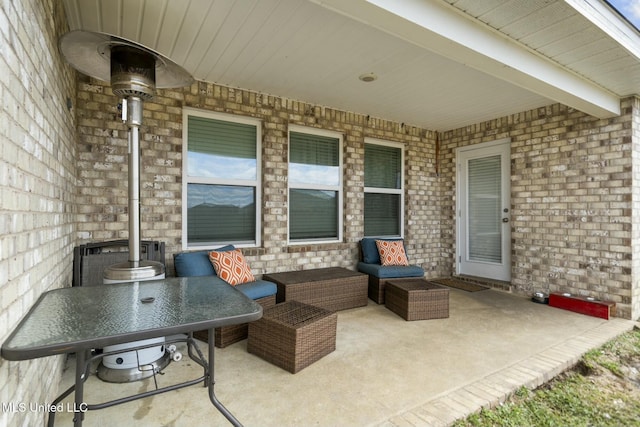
(379, 274)
(197, 264)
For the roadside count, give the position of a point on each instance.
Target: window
(315, 185)
(383, 189)
(221, 197)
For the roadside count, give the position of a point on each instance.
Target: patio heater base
(136, 373)
(135, 364)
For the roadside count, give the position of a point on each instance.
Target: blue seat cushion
(196, 263)
(390, 271)
(254, 290)
(258, 289)
(370, 254)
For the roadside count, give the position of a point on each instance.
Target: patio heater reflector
(134, 73)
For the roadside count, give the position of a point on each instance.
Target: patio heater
(134, 72)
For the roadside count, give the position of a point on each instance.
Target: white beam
(443, 29)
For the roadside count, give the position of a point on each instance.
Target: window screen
(314, 187)
(222, 181)
(383, 190)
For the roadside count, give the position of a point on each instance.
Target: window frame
(337, 188)
(377, 190)
(187, 179)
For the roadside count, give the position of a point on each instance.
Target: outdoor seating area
(332, 288)
(426, 372)
(299, 322)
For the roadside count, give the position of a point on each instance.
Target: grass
(602, 390)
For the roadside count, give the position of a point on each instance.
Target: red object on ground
(595, 308)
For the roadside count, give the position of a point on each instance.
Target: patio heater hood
(90, 53)
(134, 73)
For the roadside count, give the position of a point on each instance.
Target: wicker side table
(332, 288)
(293, 335)
(417, 299)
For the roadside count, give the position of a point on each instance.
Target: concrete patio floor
(385, 371)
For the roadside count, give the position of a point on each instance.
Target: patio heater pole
(134, 120)
(133, 78)
(134, 72)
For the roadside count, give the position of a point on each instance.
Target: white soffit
(609, 22)
(441, 64)
(447, 31)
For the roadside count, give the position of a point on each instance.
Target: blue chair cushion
(370, 254)
(391, 271)
(258, 289)
(196, 263)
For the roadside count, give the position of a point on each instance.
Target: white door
(483, 208)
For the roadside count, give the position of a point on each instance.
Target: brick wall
(571, 198)
(635, 197)
(102, 174)
(37, 188)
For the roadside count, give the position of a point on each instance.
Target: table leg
(211, 380)
(79, 388)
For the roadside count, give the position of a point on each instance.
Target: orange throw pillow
(392, 252)
(231, 266)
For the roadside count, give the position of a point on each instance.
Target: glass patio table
(79, 319)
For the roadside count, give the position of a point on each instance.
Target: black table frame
(249, 311)
(84, 361)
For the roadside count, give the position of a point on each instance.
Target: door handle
(505, 219)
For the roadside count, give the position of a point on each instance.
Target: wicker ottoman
(417, 299)
(227, 335)
(293, 335)
(332, 288)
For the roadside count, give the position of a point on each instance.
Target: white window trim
(338, 187)
(399, 191)
(257, 183)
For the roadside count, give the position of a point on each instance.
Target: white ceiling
(440, 64)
